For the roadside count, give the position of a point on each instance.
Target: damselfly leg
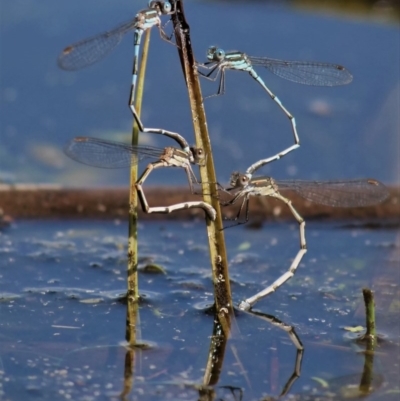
(209, 210)
(308, 73)
(108, 154)
(350, 193)
(93, 49)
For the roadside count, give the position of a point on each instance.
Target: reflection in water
(53, 339)
(132, 332)
(344, 387)
(295, 340)
(355, 385)
(209, 387)
(216, 354)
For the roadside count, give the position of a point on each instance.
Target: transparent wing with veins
(108, 154)
(304, 72)
(349, 193)
(88, 51)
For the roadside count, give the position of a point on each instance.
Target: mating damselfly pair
(88, 51)
(108, 154)
(349, 193)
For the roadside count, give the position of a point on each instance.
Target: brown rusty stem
(222, 291)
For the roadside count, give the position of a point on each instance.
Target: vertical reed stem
(370, 335)
(222, 291)
(133, 284)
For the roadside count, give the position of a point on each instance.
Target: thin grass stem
(133, 282)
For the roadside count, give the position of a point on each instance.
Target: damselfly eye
(197, 154)
(219, 54)
(166, 7)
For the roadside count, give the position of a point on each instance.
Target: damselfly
(93, 49)
(109, 154)
(303, 72)
(351, 193)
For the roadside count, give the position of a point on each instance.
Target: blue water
(63, 320)
(345, 132)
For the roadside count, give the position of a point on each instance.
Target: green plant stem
(222, 291)
(370, 335)
(133, 284)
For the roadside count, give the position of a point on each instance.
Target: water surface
(63, 315)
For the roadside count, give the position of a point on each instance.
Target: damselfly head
(214, 53)
(165, 7)
(238, 180)
(198, 154)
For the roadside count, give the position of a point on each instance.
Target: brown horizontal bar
(27, 201)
